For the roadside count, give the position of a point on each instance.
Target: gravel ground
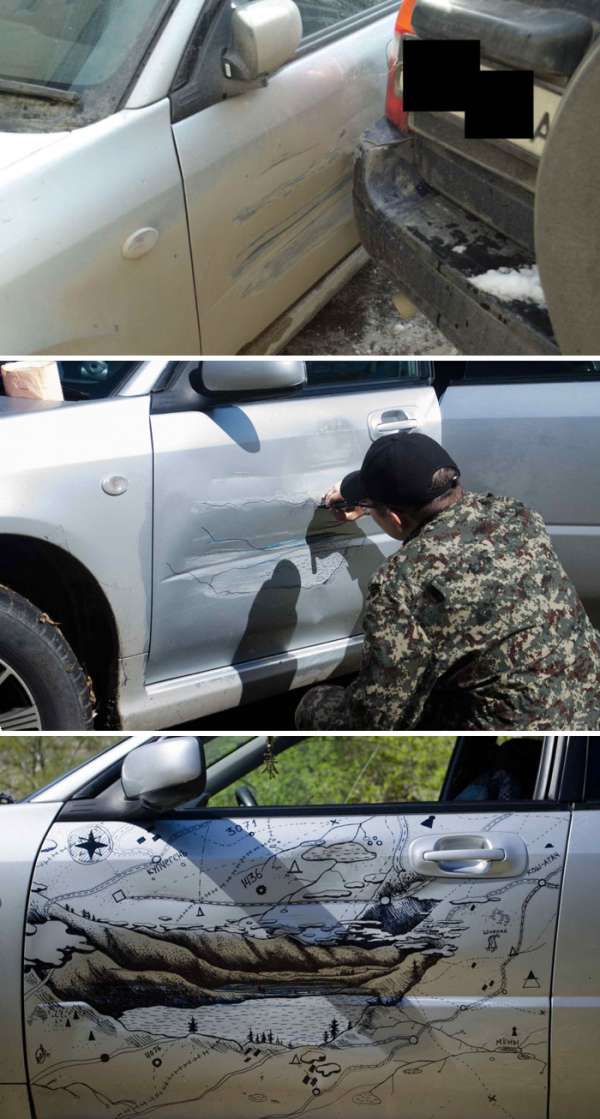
(370, 316)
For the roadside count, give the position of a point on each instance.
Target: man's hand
(341, 515)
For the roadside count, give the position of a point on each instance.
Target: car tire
(39, 667)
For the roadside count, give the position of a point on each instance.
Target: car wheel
(42, 684)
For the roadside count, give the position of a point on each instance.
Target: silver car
(163, 553)
(177, 174)
(411, 959)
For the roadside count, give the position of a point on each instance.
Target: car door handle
(468, 856)
(390, 421)
(487, 854)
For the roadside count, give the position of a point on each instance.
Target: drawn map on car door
(277, 967)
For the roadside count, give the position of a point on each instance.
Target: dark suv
(497, 240)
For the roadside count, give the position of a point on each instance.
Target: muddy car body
(163, 952)
(163, 554)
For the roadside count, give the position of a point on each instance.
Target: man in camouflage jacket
(473, 624)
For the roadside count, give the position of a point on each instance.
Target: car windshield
(80, 46)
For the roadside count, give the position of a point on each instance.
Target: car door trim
(570, 769)
(80, 811)
(179, 699)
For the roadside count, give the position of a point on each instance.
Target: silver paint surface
(537, 442)
(246, 564)
(575, 1083)
(54, 458)
(66, 287)
(22, 830)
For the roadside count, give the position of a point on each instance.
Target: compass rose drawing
(90, 847)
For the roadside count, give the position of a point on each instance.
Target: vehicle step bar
(435, 249)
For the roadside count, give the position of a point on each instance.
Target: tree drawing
(250, 1035)
(192, 1026)
(334, 1028)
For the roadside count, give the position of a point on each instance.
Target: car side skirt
(170, 702)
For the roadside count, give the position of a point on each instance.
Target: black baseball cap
(397, 471)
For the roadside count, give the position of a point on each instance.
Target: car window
(495, 769)
(480, 372)
(383, 769)
(88, 380)
(592, 783)
(339, 373)
(92, 380)
(221, 745)
(376, 769)
(318, 16)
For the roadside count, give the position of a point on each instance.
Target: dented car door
(246, 564)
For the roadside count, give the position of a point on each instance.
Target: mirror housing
(264, 35)
(165, 774)
(258, 375)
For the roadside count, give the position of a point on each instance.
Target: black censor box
(442, 75)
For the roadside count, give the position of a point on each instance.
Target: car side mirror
(166, 773)
(258, 375)
(264, 35)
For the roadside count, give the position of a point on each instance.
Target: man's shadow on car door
(274, 608)
(275, 605)
(361, 557)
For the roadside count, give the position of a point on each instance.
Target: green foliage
(348, 769)
(374, 769)
(28, 763)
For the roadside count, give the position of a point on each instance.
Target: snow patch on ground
(508, 284)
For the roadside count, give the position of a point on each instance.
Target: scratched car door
(272, 964)
(246, 566)
(268, 173)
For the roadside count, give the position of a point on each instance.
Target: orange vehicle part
(394, 108)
